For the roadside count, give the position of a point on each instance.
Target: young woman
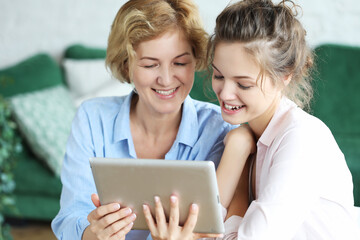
(156, 45)
(299, 184)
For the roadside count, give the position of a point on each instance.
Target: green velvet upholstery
(79, 51)
(337, 99)
(37, 191)
(35, 73)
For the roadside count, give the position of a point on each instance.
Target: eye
(218, 77)
(150, 66)
(179, 64)
(243, 87)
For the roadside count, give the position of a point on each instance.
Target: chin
(232, 120)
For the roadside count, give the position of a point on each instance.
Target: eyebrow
(236, 77)
(155, 59)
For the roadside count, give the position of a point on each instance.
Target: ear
(287, 79)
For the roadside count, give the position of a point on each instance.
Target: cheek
(187, 74)
(216, 86)
(143, 76)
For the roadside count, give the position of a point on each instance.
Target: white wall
(30, 26)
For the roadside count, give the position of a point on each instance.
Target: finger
(120, 235)
(118, 226)
(208, 235)
(174, 213)
(159, 212)
(103, 210)
(160, 218)
(150, 220)
(191, 220)
(95, 199)
(111, 218)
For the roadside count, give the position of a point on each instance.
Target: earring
(135, 91)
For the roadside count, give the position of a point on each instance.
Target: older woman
(156, 45)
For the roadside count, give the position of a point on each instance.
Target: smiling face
(240, 95)
(163, 72)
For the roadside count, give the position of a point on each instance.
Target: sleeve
(231, 226)
(217, 149)
(77, 181)
(287, 191)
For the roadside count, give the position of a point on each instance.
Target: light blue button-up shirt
(101, 128)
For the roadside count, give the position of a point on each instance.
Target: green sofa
(38, 190)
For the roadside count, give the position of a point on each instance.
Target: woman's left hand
(161, 230)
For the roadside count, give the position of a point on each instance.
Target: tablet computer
(133, 182)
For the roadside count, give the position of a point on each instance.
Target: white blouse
(303, 187)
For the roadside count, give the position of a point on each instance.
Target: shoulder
(210, 124)
(300, 128)
(209, 115)
(305, 124)
(102, 105)
(105, 103)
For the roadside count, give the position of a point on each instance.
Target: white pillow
(108, 89)
(44, 118)
(86, 76)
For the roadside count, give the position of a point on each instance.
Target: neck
(153, 124)
(259, 124)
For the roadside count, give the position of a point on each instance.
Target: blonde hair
(141, 20)
(275, 38)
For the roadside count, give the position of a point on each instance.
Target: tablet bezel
(133, 182)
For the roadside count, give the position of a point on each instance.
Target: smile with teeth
(232, 108)
(166, 93)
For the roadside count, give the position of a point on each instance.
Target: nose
(165, 75)
(228, 90)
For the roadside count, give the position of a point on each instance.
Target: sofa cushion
(337, 85)
(79, 51)
(85, 76)
(44, 118)
(336, 101)
(35, 73)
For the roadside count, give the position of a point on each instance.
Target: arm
(78, 184)
(239, 144)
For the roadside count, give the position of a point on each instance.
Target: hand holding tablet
(135, 182)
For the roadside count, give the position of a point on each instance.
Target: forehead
(232, 59)
(170, 43)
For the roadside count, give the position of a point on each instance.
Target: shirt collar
(188, 129)
(276, 121)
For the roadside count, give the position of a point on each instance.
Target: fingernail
(128, 211)
(133, 217)
(157, 199)
(173, 199)
(116, 206)
(144, 207)
(194, 206)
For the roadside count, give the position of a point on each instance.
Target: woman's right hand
(108, 221)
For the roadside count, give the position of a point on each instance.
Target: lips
(166, 93)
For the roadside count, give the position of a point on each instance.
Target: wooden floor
(32, 231)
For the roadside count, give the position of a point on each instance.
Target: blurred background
(27, 27)
(52, 58)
